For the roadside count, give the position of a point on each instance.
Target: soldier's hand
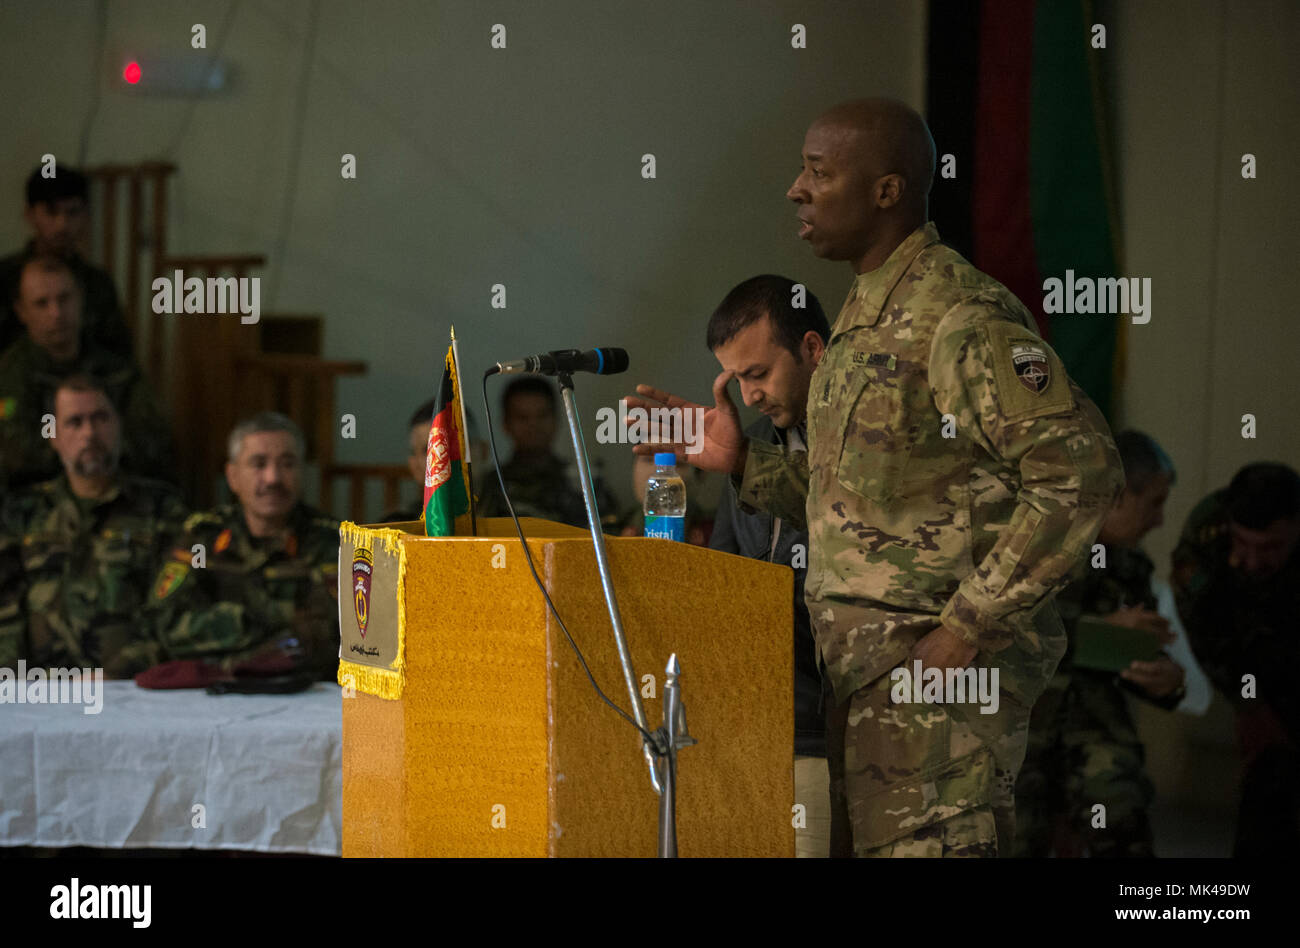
(1137, 617)
(942, 649)
(1161, 677)
(722, 444)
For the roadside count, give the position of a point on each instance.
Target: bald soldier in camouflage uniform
(953, 478)
(49, 305)
(269, 585)
(1083, 748)
(77, 553)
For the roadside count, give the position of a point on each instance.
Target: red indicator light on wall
(131, 73)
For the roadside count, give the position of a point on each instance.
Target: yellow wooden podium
(470, 729)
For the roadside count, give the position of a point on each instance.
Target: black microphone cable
(523, 542)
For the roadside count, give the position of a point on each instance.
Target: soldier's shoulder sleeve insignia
(181, 556)
(171, 577)
(222, 543)
(8, 407)
(1029, 360)
(1029, 377)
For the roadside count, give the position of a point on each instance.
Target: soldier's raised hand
(719, 446)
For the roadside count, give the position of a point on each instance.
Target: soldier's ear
(889, 190)
(230, 476)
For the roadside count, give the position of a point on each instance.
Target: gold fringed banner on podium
(473, 730)
(379, 674)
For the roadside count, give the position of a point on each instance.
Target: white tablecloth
(267, 769)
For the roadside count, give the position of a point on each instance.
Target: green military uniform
(75, 573)
(1083, 748)
(102, 322)
(1235, 625)
(252, 592)
(548, 488)
(954, 474)
(1239, 626)
(28, 378)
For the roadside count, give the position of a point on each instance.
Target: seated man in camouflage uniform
(1083, 748)
(253, 583)
(540, 484)
(78, 553)
(417, 442)
(1237, 584)
(49, 305)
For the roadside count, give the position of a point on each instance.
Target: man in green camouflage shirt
(1083, 747)
(1237, 584)
(78, 553)
(953, 478)
(49, 305)
(540, 483)
(256, 579)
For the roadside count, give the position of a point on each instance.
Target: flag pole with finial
(465, 453)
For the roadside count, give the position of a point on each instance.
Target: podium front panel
(496, 744)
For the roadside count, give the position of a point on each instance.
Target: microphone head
(612, 361)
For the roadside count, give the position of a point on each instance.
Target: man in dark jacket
(58, 215)
(771, 332)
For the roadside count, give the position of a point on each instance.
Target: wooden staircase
(211, 371)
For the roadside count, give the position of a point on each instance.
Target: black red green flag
(446, 494)
(1015, 95)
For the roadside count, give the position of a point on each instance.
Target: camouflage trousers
(915, 779)
(1083, 752)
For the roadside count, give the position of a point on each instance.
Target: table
(175, 769)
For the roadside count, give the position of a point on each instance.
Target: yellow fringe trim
(389, 539)
(370, 680)
(380, 682)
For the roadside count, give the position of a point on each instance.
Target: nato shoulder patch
(1032, 368)
(1030, 380)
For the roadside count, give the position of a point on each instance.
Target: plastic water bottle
(665, 500)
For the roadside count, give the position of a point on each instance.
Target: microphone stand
(661, 755)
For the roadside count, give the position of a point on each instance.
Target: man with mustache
(1236, 580)
(251, 587)
(78, 553)
(953, 478)
(49, 304)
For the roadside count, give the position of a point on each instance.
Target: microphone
(608, 361)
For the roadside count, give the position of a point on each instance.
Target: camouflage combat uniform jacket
(548, 488)
(1083, 748)
(252, 592)
(28, 378)
(74, 574)
(954, 473)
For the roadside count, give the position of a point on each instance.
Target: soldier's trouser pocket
(899, 768)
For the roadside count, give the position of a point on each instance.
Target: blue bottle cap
(665, 458)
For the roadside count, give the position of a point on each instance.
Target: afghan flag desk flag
(446, 483)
